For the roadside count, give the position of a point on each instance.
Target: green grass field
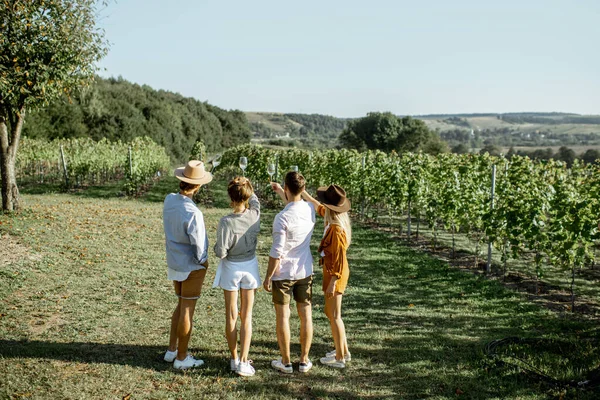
(85, 308)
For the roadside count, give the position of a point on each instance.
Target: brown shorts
(191, 288)
(285, 289)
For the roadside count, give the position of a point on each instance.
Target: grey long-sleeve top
(185, 234)
(237, 234)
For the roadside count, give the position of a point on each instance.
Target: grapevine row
(542, 208)
(89, 162)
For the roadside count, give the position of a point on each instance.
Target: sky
(346, 58)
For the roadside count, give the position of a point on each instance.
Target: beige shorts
(190, 288)
(284, 290)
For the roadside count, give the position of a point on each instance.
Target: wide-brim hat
(334, 198)
(194, 173)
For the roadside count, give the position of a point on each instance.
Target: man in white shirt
(291, 268)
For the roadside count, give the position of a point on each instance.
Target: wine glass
(215, 162)
(271, 171)
(243, 164)
(294, 168)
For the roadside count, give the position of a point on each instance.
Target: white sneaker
(305, 367)
(332, 362)
(347, 356)
(281, 367)
(170, 356)
(245, 369)
(233, 364)
(189, 362)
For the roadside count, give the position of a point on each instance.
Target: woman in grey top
(237, 236)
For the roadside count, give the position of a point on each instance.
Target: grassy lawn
(85, 308)
(554, 288)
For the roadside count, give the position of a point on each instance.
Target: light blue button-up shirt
(185, 234)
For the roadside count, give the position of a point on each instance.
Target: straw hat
(194, 173)
(334, 198)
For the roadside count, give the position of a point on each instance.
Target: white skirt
(236, 275)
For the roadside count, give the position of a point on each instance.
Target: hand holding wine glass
(271, 171)
(243, 164)
(215, 162)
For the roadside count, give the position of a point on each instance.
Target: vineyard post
(362, 190)
(130, 164)
(64, 164)
(488, 266)
(409, 220)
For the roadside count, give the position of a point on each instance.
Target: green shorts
(285, 289)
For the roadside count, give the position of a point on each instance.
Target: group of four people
(289, 272)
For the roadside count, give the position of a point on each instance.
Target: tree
(387, 132)
(47, 49)
(491, 149)
(591, 156)
(566, 155)
(460, 148)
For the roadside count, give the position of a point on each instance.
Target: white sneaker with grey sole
(281, 367)
(170, 356)
(305, 367)
(245, 369)
(233, 364)
(347, 356)
(332, 362)
(189, 362)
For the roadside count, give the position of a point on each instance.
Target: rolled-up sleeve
(321, 210)
(222, 244)
(279, 237)
(198, 238)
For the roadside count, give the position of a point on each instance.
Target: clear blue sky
(347, 57)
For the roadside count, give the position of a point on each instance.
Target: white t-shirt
(292, 232)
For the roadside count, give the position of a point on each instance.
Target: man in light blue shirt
(186, 246)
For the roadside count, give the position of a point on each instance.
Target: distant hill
(527, 129)
(120, 110)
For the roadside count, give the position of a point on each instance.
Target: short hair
(295, 182)
(187, 187)
(240, 189)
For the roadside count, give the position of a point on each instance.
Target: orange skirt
(340, 285)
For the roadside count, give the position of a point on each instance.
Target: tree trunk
(8, 155)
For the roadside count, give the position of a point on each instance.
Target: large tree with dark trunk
(48, 49)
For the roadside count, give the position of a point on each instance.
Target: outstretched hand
(276, 187)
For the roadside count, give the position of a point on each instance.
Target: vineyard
(78, 162)
(544, 211)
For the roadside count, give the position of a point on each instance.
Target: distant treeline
(318, 125)
(549, 120)
(307, 130)
(564, 153)
(514, 137)
(120, 110)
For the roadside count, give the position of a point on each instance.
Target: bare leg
(184, 327)
(282, 312)
(231, 314)
(246, 328)
(338, 330)
(306, 329)
(174, 324)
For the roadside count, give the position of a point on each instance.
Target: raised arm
(310, 199)
(279, 190)
(318, 207)
(254, 203)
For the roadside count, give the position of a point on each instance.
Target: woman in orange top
(334, 207)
